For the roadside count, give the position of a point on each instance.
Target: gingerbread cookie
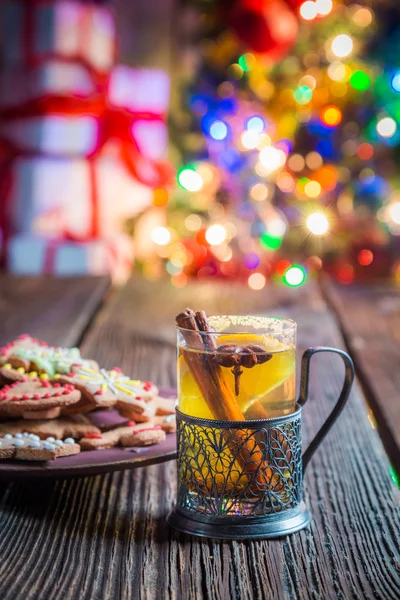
(28, 356)
(137, 410)
(112, 438)
(72, 426)
(167, 423)
(143, 436)
(101, 388)
(36, 399)
(27, 446)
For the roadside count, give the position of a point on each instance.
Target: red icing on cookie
(58, 394)
(56, 384)
(47, 395)
(98, 393)
(139, 398)
(45, 383)
(26, 397)
(117, 369)
(155, 428)
(93, 436)
(131, 423)
(36, 396)
(147, 385)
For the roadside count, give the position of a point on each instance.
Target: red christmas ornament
(268, 27)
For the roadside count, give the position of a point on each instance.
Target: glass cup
(239, 428)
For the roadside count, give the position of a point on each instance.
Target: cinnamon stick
(217, 394)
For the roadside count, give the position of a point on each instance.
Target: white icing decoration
(34, 444)
(50, 439)
(59, 443)
(114, 380)
(18, 443)
(49, 446)
(69, 441)
(25, 434)
(8, 436)
(18, 435)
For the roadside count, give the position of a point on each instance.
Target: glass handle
(344, 394)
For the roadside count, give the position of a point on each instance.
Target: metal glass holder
(244, 479)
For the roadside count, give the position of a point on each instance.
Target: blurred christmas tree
(287, 137)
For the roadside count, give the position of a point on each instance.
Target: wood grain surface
(106, 536)
(369, 317)
(55, 310)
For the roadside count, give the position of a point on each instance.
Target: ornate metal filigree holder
(243, 479)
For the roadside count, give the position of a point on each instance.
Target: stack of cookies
(47, 393)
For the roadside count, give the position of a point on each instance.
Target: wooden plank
(55, 310)
(370, 320)
(106, 537)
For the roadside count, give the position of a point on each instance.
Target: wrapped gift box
(29, 254)
(151, 138)
(52, 79)
(139, 90)
(33, 31)
(78, 197)
(40, 191)
(55, 135)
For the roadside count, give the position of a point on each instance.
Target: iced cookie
(137, 410)
(101, 388)
(167, 423)
(36, 399)
(27, 446)
(74, 426)
(112, 438)
(143, 436)
(27, 355)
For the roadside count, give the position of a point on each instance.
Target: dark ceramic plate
(95, 461)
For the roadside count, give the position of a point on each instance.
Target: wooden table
(106, 536)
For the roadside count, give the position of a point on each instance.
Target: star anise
(241, 356)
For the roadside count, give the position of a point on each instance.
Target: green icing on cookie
(49, 359)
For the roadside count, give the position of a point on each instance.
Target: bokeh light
(189, 180)
(193, 222)
(395, 82)
(394, 212)
(303, 94)
(386, 127)
(251, 260)
(360, 81)
(313, 160)
(331, 115)
(272, 158)
(312, 189)
(317, 223)
(256, 281)
(296, 163)
(342, 45)
(249, 139)
(161, 236)
(308, 10)
(295, 276)
(324, 7)
(218, 130)
(255, 124)
(215, 234)
(259, 192)
(160, 197)
(365, 257)
(345, 274)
